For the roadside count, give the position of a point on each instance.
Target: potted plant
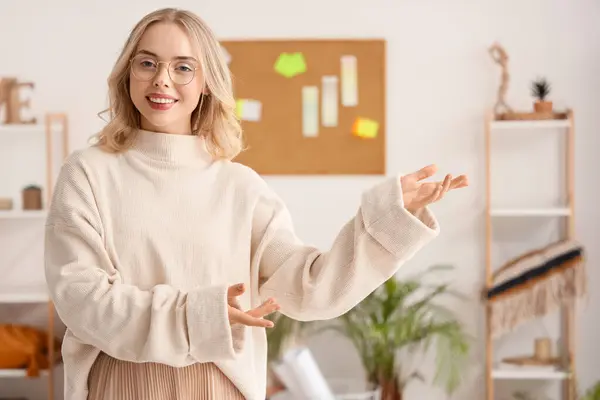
(394, 318)
(540, 89)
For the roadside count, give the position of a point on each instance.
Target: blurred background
(438, 84)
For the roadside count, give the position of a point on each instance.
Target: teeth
(161, 100)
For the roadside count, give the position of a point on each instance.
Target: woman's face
(165, 94)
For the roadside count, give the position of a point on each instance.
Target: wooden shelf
(22, 128)
(530, 212)
(46, 128)
(535, 124)
(566, 375)
(22, 373)
(529, 374)
(19, 214)
(19, 373)
(22, 295)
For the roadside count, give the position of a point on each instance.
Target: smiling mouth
(161, 100)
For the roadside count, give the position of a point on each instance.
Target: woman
(163, 256)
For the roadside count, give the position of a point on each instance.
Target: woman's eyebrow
(174, 58)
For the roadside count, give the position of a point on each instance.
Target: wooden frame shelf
(36, 294)
(23, 214)
(534, 124)
(528, 374)
(530, 212)
(24, 295)
(20, 373)
(493, 372)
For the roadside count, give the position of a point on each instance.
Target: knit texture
(141, 247)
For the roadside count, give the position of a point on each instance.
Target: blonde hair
(214, 117)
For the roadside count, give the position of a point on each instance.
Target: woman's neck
(181, 128)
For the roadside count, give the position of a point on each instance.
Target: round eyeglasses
(145, 68)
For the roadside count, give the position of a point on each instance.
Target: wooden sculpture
(500, 56)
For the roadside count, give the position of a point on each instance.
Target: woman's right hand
(252, 317)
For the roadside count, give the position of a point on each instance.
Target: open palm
(418, 194)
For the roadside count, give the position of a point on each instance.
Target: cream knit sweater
(141, 247)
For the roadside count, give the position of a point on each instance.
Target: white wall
(440, 82)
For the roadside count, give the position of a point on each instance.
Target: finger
(425, 172)
(463, 181)
(459, 181)
(240, 317)
(436, 193)
(236, 290)
(266, 308)
(445, 187)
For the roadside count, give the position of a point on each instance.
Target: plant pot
(390, 390)
(543, 107)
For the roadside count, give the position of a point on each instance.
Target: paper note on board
(310, 111)
(349, 75)
(365, 128)
(290, 64)
(329, 102)
(249, 110)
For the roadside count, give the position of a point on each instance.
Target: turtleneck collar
(172, 148)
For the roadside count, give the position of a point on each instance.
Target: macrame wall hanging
(536, 283)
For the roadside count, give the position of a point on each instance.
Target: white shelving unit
(23, 295)
(530, 374)
(537, 125)
(18, 214)
(530, 212)
(22, 129)
(495, 372)
(34, 294)
(18, 373)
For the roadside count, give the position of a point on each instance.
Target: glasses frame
(168, 63)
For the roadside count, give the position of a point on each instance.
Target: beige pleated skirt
(112, 379)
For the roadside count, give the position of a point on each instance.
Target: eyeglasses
(145, 68)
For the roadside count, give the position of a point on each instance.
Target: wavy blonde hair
(214, 117)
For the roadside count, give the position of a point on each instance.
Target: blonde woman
(163, 255)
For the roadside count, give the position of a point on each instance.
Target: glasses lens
(143, 67)
(182, 72)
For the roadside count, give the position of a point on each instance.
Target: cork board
(270, 97)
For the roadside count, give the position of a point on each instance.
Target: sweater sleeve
(163, 324)
(311, 284)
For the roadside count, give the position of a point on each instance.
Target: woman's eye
(184, 68)
(147, 64)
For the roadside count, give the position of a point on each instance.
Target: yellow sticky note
(365, 128)
(290, 64)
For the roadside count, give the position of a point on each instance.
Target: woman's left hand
(417, 194)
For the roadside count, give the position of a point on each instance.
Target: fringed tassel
(538, 299)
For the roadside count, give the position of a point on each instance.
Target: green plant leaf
(405, 315)
(540, 88)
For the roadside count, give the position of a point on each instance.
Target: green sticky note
(239, 107)
(290, 64)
